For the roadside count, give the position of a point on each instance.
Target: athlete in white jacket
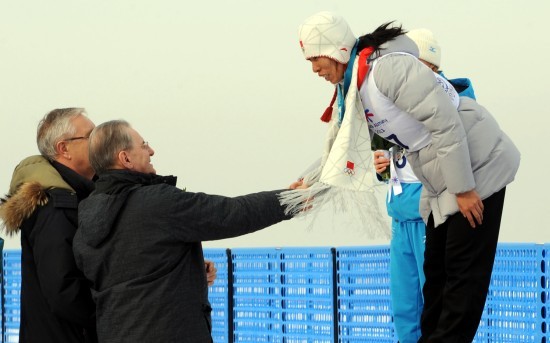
(455, 146)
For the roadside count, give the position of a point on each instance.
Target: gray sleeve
(413, 88)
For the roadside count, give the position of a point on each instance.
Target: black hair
(381, 35)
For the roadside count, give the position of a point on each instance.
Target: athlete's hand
(380, 162)
(471, 207)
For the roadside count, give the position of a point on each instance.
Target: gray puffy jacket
(468, 150)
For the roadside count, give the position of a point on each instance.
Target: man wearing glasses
(56, 304)
(139, 241)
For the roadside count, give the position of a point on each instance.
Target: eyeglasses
(75, 138)
(145, 145)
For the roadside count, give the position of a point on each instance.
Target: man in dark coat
(139, 242)
(56, 303)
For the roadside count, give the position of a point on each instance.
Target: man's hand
(210, 272)
(471, 207)
(298, 185)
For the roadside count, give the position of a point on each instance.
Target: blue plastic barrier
(257, 299)
(283, 295)
(12, 293)
(364, 304)
(326, 295)
(544, 302)
(512, 307)
(2, 288)
(218, 295)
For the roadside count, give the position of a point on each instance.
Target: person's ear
(62, 150)
(124, 160)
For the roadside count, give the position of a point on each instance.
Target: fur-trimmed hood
(31, 179)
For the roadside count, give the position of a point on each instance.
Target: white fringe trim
(361, 208)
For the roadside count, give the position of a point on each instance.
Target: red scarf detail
(363, 65)
(327, 115)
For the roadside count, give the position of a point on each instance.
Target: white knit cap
(326, 34)
(427, 45)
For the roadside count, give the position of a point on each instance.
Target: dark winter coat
(139, 242)
(56, 303)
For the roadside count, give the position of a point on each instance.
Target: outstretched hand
(471, 207)
(298, 185)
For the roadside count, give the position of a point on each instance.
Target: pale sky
(222, 92)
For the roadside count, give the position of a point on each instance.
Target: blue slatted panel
(283, 295)
(12, 294)
(364, 304)
(2, 289)
(218, 295)
(257, 299)
(286, 295)
(512, 313)
(307, 293)
(545, 293)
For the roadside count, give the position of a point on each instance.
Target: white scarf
(346, 175)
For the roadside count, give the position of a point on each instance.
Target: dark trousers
(458, 262)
